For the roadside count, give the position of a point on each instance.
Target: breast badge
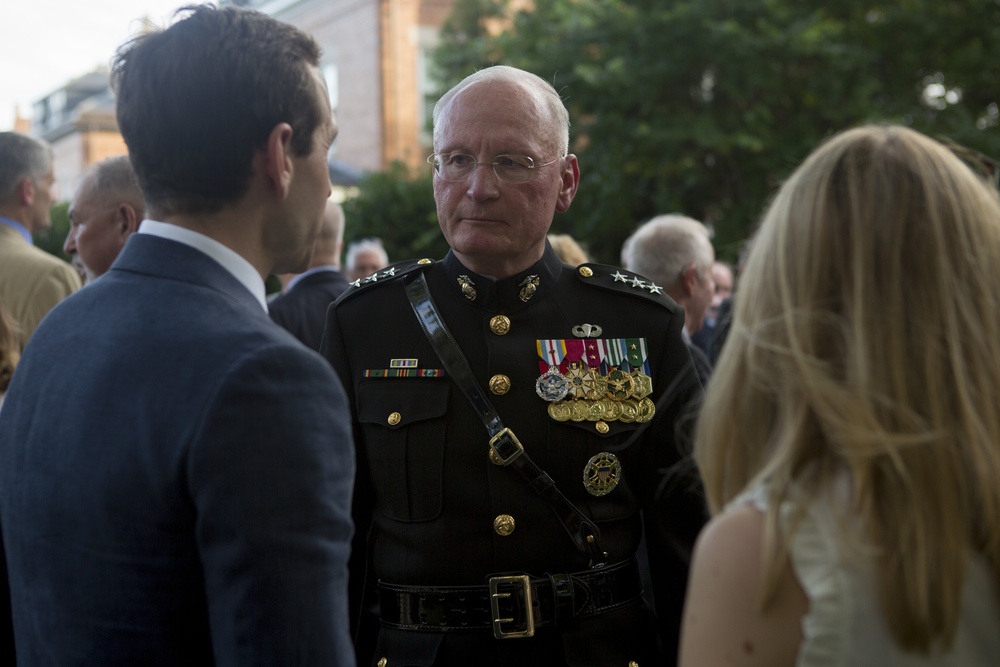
(596, 380)
(602, 474)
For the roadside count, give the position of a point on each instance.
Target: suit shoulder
(618, 280)
(391, 274)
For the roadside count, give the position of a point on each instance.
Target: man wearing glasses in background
(518, 421)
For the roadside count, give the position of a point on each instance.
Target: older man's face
(498, 228)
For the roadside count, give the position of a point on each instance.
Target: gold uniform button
(631, 663)
(419, 261)
(382, 662)
(394, 418)
(602, 427)
(499, 384)
(586, 271)
(504, 525)
(500, 324)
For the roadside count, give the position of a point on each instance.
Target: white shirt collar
(232, 262)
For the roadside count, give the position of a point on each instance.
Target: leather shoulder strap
(507, 449)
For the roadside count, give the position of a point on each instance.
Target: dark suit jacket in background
(175, 477)
(302, 310)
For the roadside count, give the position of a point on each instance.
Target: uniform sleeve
(271, 476)
(363, 596)
(674, 511)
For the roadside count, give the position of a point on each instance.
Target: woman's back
(844, 626)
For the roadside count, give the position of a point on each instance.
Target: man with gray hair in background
(31, 280)
(106, 209)
(676, 252)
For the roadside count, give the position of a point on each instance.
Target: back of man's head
(197, 99)
(21, 156)
(330, 240)
(664, 247)
(114, 181)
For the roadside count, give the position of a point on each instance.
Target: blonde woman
(856, 477)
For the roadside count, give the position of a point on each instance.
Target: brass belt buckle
(506, 440)
(524, 584)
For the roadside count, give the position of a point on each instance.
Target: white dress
(844, 626)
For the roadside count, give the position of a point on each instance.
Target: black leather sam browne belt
(512, 605)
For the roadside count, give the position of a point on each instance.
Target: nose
(484, 182)
(69, 247)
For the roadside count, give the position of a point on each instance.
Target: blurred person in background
(32, 281)
(676, 252)
(302, 308)
(106, 209)
(364, 258)
(568, 249)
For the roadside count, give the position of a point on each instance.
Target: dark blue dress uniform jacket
(428, 489)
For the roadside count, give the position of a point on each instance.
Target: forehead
(85, 194)
(496, 115)
(367, 255)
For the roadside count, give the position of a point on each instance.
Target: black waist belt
(512, 605)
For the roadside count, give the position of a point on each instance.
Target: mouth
(472, 220)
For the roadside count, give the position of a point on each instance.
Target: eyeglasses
(980, 163)
(508, 168)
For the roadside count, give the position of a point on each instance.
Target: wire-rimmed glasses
(508, 168)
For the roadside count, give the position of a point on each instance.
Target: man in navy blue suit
(175, 469)
(302, 309)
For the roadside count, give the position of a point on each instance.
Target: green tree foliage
(396, 206)
(52, 239)
(704, 106)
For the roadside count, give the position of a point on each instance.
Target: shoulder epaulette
(389, 274)
(618, 279)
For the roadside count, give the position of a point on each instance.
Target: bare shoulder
(723, 622)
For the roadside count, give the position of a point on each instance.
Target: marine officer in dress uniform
(519, 421)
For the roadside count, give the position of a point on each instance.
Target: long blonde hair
(866, 343)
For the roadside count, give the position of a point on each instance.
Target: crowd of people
(509, 455)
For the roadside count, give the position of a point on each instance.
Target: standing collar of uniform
(21, 229)
(504, 294)
(316, 269)
(231, 261)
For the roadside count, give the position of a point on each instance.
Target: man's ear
(127, 220)
(570, 180)
(689, 279)
(277, 158)
(26, 191)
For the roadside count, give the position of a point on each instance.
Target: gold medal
(580, 410)
(619, 384)
(630, 411)
(595, 411)
(560, 411)
(602, 474)
(646, 410)
(642, 384)
(612, 409)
